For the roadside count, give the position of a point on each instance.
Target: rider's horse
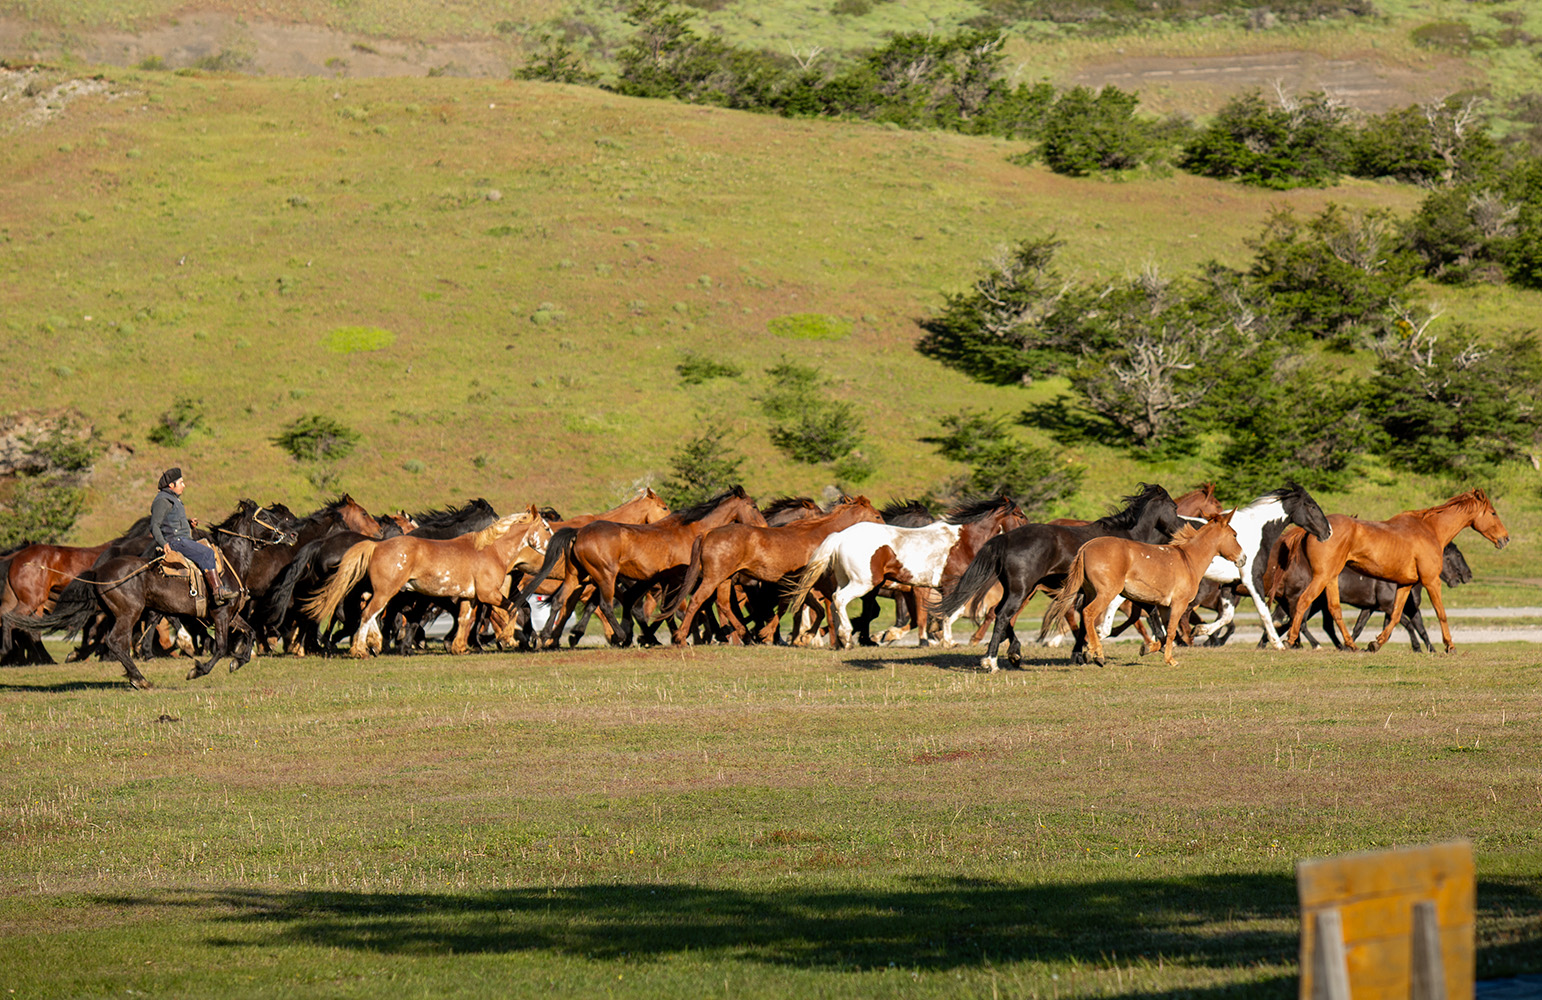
(126, 586)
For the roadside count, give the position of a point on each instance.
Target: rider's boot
(218, 592)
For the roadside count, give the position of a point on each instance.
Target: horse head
(1454, 570)
(1485, 520)
(1303, 510)
(1229, 546)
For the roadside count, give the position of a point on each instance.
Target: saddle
(174, 564)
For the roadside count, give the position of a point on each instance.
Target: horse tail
(1064, 602)
(560, 546)
(797, 592)
(74, 608)
(350, 570)
(687, 585)
(281, 595)
(986, 568)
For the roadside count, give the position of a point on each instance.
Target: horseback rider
(173, 529)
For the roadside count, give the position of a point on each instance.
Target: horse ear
(533, 512)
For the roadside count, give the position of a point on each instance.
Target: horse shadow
(960, 662)
(64, 687)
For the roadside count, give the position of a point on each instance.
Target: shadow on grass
(931, 924)
(965, 662)
(63, 686)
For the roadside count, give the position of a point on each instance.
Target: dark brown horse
(604, 552)
(759, 552)
(125, 586)
(1407, 548)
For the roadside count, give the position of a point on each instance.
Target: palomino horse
(1166, 576)
(470, 568)
(604, 552)
(1025, 558)
(760, 552)
(1288, 574)
(1406, 549)
(125, 587)
(865, 556)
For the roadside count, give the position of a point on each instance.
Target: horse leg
(1178, 610)
(1306, 599)
(369, 628)
(464, 617)
(738, 631)
(862, 624)
(1092, 615)
(119, 643)
(1396, 616)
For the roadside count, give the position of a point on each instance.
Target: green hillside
(541, 259)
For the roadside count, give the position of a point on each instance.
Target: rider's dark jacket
(168, 518)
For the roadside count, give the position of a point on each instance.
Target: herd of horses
(728, 570)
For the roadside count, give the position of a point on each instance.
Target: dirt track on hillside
(278, 49)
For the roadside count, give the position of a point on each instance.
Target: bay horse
(604, 552)
(760, 552)
(865, 556)
(470, 568)
(1288, 574)
(1035, 555)
(1406, 549)
(126, 586)
(1166, 576)
(644, 508)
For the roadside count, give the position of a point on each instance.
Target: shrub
(807, 425)
(1086, 132)
(1300, 143)
(317, 438)
(700, 468)
(696, 369)
(40, 510)
(179, 423)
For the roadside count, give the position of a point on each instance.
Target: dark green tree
(807, 424)
(700, 468)
(556, 62)
(317, 438)
(1299, 143)
(1085, 132)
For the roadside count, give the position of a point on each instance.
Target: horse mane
(781, 504)
(972, 509)
(898, 508)
(449, 517)
(1134, 506)
(490, 534)
(138, 529)
(701, 510)
(244, 508)
(1472, 498)
(1185, 532)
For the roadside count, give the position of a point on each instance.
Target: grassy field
(754, 822)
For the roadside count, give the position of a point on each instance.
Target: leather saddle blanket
(175, 564)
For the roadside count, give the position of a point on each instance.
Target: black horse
(125, 586)
(1039, 555)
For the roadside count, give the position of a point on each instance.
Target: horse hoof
(988, 664)
(143, 684)
(1372, 646)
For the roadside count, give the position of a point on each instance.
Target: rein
(122, 579)
(258, 541)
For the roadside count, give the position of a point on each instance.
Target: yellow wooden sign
(1374, 896)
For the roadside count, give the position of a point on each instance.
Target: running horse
(1166, 576)
(605, 552)
(470, 568)
(865, 556)
(126, 586)
(1035, 555)
(1407, 548)
(760, 552)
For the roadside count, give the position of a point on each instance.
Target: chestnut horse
(470, 567)
(1407, 548)
(866, 556)
(762, 553)
(1166, 576)
(604, 552)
